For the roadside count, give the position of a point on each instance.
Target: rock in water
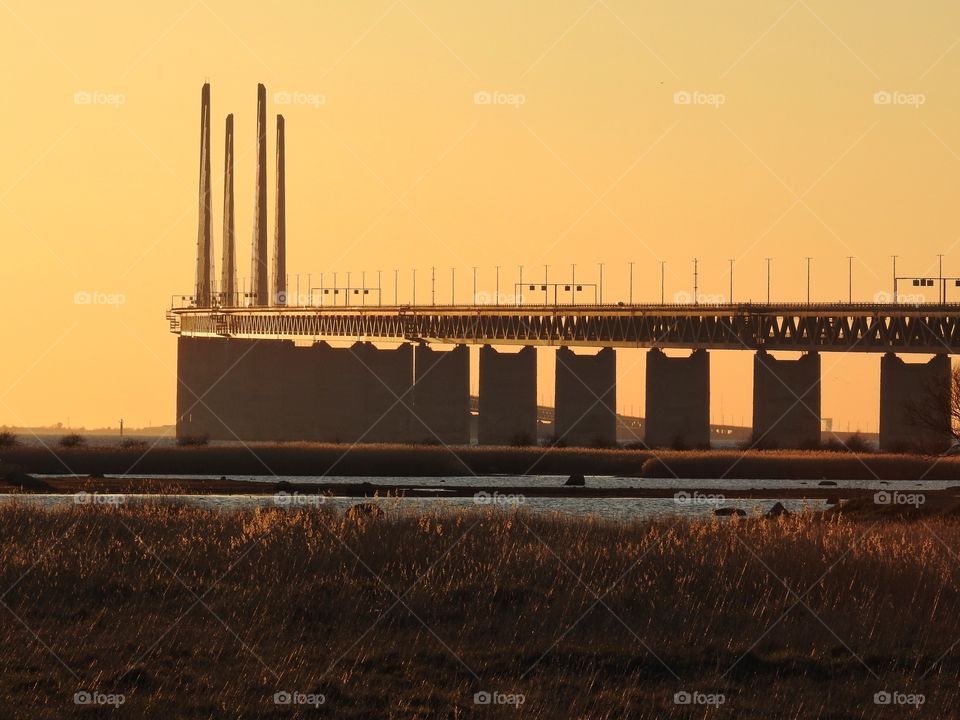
(728, 511)
(27, 482)
(576, 480)
(777, 510)
(827, 483)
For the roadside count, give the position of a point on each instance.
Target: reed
(191, 613)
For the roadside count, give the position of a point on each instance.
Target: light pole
(396, 286)
(546, 285)
(414, 301)
(453, 286)
(696, 289)
(520, 296)
(943, 285)
(663, 264)
(731, 283)
(573, 283)
(631, 283)
(474, 284)
(379, 287)
(363, 287)
(850, 279)
(768, 279)
(808, 279)
(497, 286)
(601, 283)
(433, 285)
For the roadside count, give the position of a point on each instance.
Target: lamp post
(730, 299)
(943, 285)
(769, 260)
(601, 283)
(663, 264)
(631, 284)
(696, 289)
(850, 279)
(808, 279)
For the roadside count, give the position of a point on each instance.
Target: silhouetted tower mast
(280, 231)
(203, 292)
(228, 284)
(259, 275)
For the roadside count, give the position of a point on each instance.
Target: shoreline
(315, 460)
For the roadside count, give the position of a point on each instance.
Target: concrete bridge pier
(586, 398)
(377, 406)
(229, 389)
(678, 400)
(508, 397)
(441, 395)
(913, 398)
(786, 401)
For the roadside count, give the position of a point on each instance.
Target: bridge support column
(231, 389)
(441, 395)
(678, 400)
(586, 398)
(786, 401)
(508, 397)
(914, 398)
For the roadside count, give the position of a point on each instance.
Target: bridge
(253, 366)
(859, 327)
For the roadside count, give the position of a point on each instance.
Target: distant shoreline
(315, 460)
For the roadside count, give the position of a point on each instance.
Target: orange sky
(784, 151)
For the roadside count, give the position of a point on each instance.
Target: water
(594, 481)
(619, 509)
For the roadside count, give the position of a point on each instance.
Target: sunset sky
(812, 129)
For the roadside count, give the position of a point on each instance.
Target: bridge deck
(857, 327)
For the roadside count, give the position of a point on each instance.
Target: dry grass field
(187, 613)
